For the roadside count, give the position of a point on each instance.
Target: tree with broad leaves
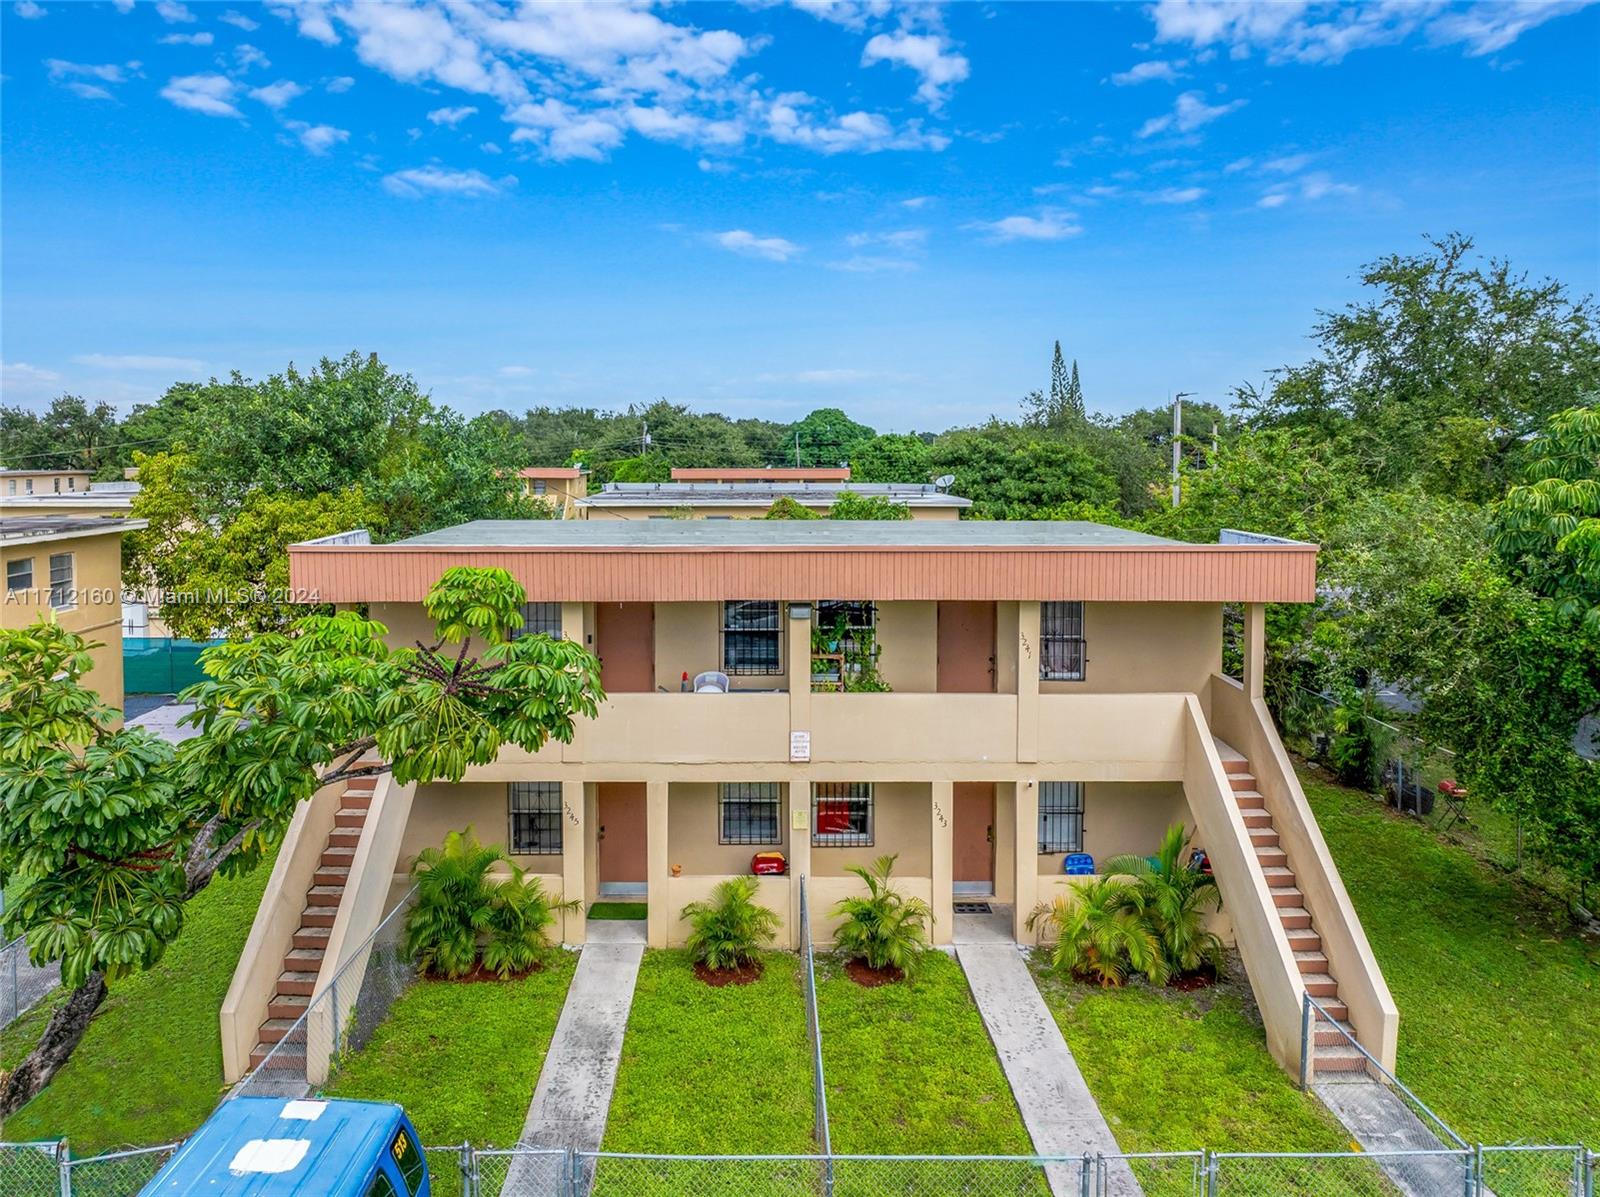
(106, 832)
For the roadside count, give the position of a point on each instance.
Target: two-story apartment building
(1050, 688)
(22, 483)
(558, 486)
(70, 568)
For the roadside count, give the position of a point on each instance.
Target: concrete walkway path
(1381, 1121)
(574, 1092)
(1057, 1107)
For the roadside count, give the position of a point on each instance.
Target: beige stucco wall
(908, 633)
(689, 640)
(440, 808)
(96, 612)
(1147, 646)
(1123, 817)
(693, 830)
(772, 892)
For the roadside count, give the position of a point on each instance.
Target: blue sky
(761, 208)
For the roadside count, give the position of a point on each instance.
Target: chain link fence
(341, 1018)
(45, 1170)
(22, 983)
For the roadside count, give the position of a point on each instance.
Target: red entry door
(974, 832)
(620, 811)
(966, 648)
(626, 645)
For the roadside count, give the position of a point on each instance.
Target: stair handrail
(1312, 1010)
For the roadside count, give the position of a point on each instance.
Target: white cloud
(122, 6)
(186, 39)
(19, 378)
(1287, 165)
(1309, 188)
(790, 121)
(852, 14)
(437, 180)
(1188, 114)
(871, 264)
(1176, 195)
(174, 13)
(1273, 199)
(1237, 165)
(60, 70)
(490, 147)
(514, 371)
(318, 139)
(917, 202)
(339, 84)
(741, 241)
(310, 18)
(239, 21)
(247, 56)
(562, 132)
(1052, 224)
(1145, 72)
(928, 54)
(140, 361)
(451, 116)
(28, 10)
(1297, 31)
(902, 239)
(276, 95)
(211, 95)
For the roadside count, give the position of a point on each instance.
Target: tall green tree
(1016, 473)
(69, 435)
(827, 437)
(106, 831)
(1547, 528)
(1074, 402)
(1060, 385)
(891, 457)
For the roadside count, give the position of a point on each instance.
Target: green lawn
(1499, 998)
(714, 1070)
(149, 1070)
(1183, 1072)
(462, 1057)
(635, 911)
(910, 1068)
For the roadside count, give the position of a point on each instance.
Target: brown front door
(626, 636)
(620, 811)
(966, 648)
(974, 832)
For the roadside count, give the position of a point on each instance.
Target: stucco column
(1255, 649)
(799, 815)
(797, 655)
(660, 918)
(941, 810)
(574, 850)
(1027, 862)
(1027, 685)
(572, 629)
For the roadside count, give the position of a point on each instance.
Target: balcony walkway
(1060, 1113)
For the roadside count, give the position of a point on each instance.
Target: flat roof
(800, 534)
(16, 529)
(118, 500)
(746, 494)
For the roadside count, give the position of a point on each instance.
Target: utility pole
(1177, 434)
(644, 438)
(797, 448)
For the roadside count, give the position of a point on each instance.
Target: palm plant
(1101, 933)
(454, 906)
(521, 913)
(886, 928)
(730, 927)
(1175, 897)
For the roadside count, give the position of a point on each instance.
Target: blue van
(269, 1147)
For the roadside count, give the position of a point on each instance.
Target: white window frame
(12, 569)
(62, 596)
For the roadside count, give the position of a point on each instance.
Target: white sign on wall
(799, 746)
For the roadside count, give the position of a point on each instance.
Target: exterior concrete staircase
(297, 982)
(1333, 1052)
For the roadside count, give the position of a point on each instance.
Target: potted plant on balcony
(883, 935)
(729, 929)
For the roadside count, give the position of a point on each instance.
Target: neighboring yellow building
(559, 486)
(71, 568)
(21, 483)
(1051, 695)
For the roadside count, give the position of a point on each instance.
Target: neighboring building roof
(697, 560)
(109, 496)
(5, 473)
(764, 474)
(16, 529)
(551, 472)
(757, 494)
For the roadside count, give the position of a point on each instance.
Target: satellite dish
(945, 481)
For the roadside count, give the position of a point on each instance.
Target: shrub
(885, 928)
(730, 927)
(1176, 896)
(463, 912)
(1101, 933)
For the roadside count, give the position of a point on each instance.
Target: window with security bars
(841, 814)
(751, 638)
(61, 580)
(1060, 816)
(535, 818)
(748, 813)
(1061, 643)
(540, 618)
